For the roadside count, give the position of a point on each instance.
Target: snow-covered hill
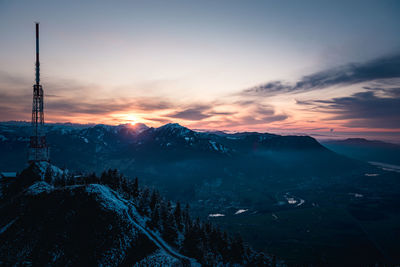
(50, 236)
(66, 220)
(78, 224)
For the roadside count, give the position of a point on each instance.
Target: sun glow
(131, 119)
(126, 118)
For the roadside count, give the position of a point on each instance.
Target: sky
(330, 69)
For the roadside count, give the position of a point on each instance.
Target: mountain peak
(174, 128)
(357, 139)
(137, 127)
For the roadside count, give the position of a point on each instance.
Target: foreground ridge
(108, 220)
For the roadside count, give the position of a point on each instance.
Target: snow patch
(5, 227)
(292, 200)
(357, 195)
(217, 147)
(43, 165)
(107, 198)
(240, 211)
(158, 259)
(216, 215)
(39, 187)
(213, 144)
(385, 166)
(302, 201)
(9, 174)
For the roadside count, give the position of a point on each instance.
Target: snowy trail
(4, 228)
(159, 242)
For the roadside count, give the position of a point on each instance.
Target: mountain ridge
(368, 150)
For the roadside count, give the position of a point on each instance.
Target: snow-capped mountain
(138, 141)
(133, 146)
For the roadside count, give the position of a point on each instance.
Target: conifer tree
(191, 242)
(186, 217)
(154, 199)
(103, 177)
(178, 216)
(163, 211)
(170, 232)
(154, 222)
(48, 175)
(135, 188)
(92, 178)
(144, 202)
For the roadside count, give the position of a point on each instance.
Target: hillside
(368, 150)
(50, 217)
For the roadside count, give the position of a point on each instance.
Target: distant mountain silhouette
(75, 146)
(368, 150)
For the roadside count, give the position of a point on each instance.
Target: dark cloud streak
(381, 68)
(192, 114)
(198, 113)
(363, 109)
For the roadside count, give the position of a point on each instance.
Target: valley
(288, 195)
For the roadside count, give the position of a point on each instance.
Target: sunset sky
(326, 68)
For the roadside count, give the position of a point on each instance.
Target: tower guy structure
(38, 149)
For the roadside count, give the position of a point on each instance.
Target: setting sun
(131, 119)
(126, 118)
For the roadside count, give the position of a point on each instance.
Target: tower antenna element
(38, 149)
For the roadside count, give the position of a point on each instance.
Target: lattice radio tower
(38, 149)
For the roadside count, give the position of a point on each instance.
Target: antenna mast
(38, 149)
